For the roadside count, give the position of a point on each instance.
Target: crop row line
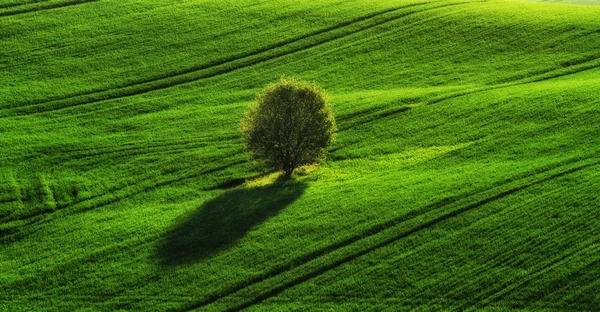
(323, 260)
(522, 245)
(49, 6)
(336, 263)
(224, 60)
(268, 53)
(101, 200)
(572, 67)
(582, 247)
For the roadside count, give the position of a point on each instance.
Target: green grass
(464, 175)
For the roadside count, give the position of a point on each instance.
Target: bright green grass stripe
(266, 54)
(159, 37)
(104, 142)
(282, 279)
(446, 52)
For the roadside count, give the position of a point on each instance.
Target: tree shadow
(221, 222)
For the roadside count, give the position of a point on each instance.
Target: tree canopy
(290, 124)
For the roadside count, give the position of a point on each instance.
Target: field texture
(465, 175)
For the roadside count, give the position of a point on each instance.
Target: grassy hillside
(464, 175)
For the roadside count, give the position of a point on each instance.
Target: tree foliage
(290, 124)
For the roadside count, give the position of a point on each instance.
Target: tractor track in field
(49, 6)
(12, 5)
(325, 269)
(501, 260)
(101, 200)
(543, 268)
(568, 68)
(372, 117)
(222, 61)
(567, 281)
(68, 153)
(377, 229)
(224, 66)
(134, 151)
(70, 263)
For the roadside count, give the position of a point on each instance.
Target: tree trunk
(288, 172)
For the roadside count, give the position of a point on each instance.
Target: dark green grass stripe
(379, 228)
(132, 151)
(63, 154)
(214, 71)
(560, 285)
(49, 6)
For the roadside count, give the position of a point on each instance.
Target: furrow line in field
(584, 247)
(70, 263)
(577, 67)
(522, 245)
(101, 200)
(213, 71)
(68, 154)
(319, 270)
(132, 151)
(377, 115)
(231, 59)
(12, 5)
(50, 6)
(558, 286)
(582, 290)
(380, 228)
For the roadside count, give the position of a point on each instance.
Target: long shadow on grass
(221, 222)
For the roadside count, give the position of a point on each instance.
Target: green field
(465, 174)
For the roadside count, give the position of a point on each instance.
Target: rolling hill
(465, 174)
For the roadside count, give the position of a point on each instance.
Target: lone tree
(289, 125)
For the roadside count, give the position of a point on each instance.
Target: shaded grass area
(221, 222)
(463, 176)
